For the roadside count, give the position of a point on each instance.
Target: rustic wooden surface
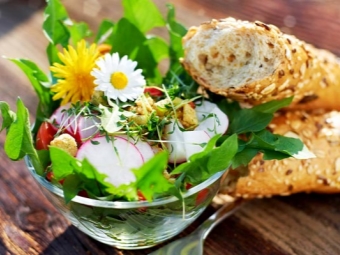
(298, 224)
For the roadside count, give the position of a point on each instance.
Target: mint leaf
(19, 140)
(7, 115)
(150, 177)
(144, 14)
(54, 24)
(273, 106)
(104, 31)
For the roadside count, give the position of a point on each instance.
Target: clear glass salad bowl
(131, 225)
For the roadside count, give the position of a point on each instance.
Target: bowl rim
(119, 204)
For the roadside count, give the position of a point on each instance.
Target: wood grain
(299, 224)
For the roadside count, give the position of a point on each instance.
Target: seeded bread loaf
(256, 63)
(321, 134)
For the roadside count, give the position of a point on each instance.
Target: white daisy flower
(117, 78)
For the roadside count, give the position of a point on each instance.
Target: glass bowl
(132, 225)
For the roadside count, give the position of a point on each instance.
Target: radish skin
(114, 158)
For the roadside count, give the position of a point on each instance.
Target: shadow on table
(14, 12)
(74, 242)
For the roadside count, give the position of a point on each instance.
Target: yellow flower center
(119, 80)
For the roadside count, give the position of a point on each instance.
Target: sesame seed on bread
(320, 132)
(254, 62)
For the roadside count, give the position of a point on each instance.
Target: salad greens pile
(246, 136)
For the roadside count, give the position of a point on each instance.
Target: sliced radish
(81, 128)
(194, 141)
(114, 158)
(175, 145)
(216, 124)
(144, 148)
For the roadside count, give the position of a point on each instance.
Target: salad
(111, 125)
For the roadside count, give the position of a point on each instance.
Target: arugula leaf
(39, 81)
(19, 140)
(7, 115)
(144, 14)
(104, 31)
(222, 156)
(204, 164)
(71, 186)
(273, 106)
(243, 157)
(248, 120)
(150, 177)
(158, 47)
(54, 24)
(176, 32)
(79, 31)
(269, 141)
(52, 54)
(63, 163)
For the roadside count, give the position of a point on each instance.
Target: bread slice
(320, 131)
(256, 63)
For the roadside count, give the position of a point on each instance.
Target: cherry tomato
(154, 92)
(45, 135)
(202, 196)
(140, 196)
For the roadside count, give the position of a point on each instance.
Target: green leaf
(7, 115)
(268, 141)
(222, 156)
(176, 33)
(144, 14)
(243, 157)
(273, 106)
(248, 120)
(40, 83)
(54, 24)
(79, 31)
(63, 164)
(52, 54)
(71, 186)
(44, 157)
(150, 177)
(104, 31)
(19, 140)
(136, 49)
(158, 47)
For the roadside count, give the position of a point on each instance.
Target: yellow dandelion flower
(75, 82)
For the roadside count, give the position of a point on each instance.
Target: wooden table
(298, 224)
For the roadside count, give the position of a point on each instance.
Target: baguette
(256, 63)
(320, 131)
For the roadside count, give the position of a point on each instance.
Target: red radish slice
(175, 144)
(144, 148)
(114, 158)
(193, 141)
(81, 129)
(216, 124)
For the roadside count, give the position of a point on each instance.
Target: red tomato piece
(45, 135)
(154, 92)
(202, 196)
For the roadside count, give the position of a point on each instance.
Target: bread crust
(256, 63)
(320, 131)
